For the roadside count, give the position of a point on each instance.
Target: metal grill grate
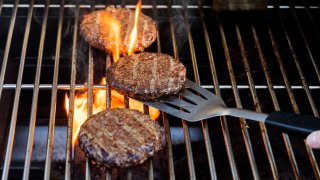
(263, 61)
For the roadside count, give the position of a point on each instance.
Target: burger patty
(119, 137)
(147, 76)
(97, 29)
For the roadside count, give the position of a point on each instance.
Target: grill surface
(263, 61)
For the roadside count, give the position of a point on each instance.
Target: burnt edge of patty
(142, 90)
(91, 32)
(133, 156)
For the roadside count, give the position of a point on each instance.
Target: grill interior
(258, 60)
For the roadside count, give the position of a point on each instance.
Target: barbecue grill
(263, 60)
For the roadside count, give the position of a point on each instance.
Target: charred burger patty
(147, 76)
(119, 137)
(97, 28)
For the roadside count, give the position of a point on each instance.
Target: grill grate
(263, 61)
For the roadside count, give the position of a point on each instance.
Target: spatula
(195, 103)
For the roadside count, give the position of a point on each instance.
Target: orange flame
(134, 34)
(99, 104)
(110, 28)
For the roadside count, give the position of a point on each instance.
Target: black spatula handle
(293, 123)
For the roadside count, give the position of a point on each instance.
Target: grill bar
(19, 82)
(313, 105)
(312, 20)
(72, 96)
(54, 97)
(205, 123)
(90, 101)
(90, 95)
(303, 80)
(224, 125)
(243, 124)
(36, 93)
(276, 104)
(185, 125)
(305, 84)
(264, 132)
(1, 5)
(81, 86)
(108, 105)
(13, 122)
(197, 70)
(87, 6)
(99, 6)
(306, 43)
(23, 56)
(295, 57)
(8, 44)
(197, 80)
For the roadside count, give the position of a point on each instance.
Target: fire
(134, 34)
(110, 29)
(99, 104)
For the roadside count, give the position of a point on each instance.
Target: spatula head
(194, 103)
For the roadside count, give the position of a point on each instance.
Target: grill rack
(216, 86)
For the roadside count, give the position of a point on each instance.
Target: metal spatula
(196, 103)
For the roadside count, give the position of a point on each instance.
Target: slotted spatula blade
(195, 103)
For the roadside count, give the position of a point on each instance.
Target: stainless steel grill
(260, 60)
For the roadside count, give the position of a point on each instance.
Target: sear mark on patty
(147, 76)
(96, 31)
(119, 137)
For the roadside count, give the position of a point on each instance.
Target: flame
(110, 28)
(134, 34)
(99, 104)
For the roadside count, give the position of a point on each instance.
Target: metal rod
(108, 106)
(169, 146)
(286, 139)
(164, 118)
(306, 44)
(50, 140)
(1, 6)
(185, 125)
(256, 101)
(264, 132)
(69, 150)
(316, 29)
(8, 153)
(204, 123)
(150, 161)
(313, 160)
(313, 105)
(8, 45)
(223, 121)
(101, 6)
(126, 105)
(306, 88)
(173, 38)
(90, 94)
(197, 79)
(22, 62)
(244, 128)
(283, 72)
(33, 115)
(82, 87)
(90, 101)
